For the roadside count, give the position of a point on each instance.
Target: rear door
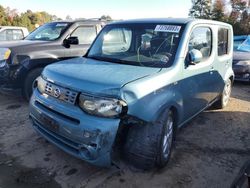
(223, 59)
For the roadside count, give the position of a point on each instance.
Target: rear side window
(11, 34)
(3, 35)
(222, 41)
(85, 34)
(201, 39)
(17, 34)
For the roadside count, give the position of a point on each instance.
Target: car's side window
(9, 34)
(85, 34)
(201, 39)
(3, 35)
(17, 34)
(222, 41)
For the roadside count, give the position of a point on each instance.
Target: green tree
(200, 9)
(27, 19)
(218, 12)
(238, 6)
(3, 16)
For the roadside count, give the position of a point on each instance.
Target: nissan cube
(140, 81)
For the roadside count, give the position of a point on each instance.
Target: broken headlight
(4, 55)
(40, 84)
(104, 107)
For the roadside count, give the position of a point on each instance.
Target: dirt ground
(209, 152)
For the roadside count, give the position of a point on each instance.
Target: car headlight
(2, 63)
(4, 55)
(104, 107)
(40, 84)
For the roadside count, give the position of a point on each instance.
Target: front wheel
(150, 145)
(28, 82)
(166, 140)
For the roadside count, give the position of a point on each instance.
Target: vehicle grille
(61, 93)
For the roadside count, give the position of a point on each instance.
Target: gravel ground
(209, 152)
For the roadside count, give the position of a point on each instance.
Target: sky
(126, 9)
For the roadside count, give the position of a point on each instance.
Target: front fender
(19, 71)
(150, 106)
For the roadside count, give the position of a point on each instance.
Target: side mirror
(71, 41)
(195, 56)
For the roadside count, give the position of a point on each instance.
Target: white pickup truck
(9, 33)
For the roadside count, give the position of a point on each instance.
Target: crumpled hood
(92, 76)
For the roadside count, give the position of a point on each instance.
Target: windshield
(48, 32)
(151, 45)
(242, 45)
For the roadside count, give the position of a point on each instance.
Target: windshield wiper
(112, 60)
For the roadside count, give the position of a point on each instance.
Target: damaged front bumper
(86, 137)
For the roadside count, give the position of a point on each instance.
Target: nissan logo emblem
(57, 92)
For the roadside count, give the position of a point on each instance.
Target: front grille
(58, 114)
(61, 93)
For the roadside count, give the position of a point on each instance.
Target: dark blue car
(241, 58)
(139, 82)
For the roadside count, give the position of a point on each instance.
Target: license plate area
(49, 123)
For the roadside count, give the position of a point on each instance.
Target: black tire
(144, 144)
(28, 82)
(223, 102)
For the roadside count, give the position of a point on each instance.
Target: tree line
(234, 12)
(29, 19)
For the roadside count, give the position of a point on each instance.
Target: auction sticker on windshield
(61, 24)
(168, 28)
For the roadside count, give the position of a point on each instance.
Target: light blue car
(139, 82)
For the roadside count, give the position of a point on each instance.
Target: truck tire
(225, 96)
(150, 145)
(28, 82)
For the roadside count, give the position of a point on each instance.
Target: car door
(224, 59)
(85, 34)
(198, 79)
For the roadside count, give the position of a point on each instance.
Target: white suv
(8, 33)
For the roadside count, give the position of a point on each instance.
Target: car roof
(169, 20)
(84, 21)
(12, 27)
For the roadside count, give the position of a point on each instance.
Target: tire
(144, 146)
(28, 82)
(225, 96)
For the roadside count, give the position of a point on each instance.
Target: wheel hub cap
(167, 139)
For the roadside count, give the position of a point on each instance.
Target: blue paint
(146, 90)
